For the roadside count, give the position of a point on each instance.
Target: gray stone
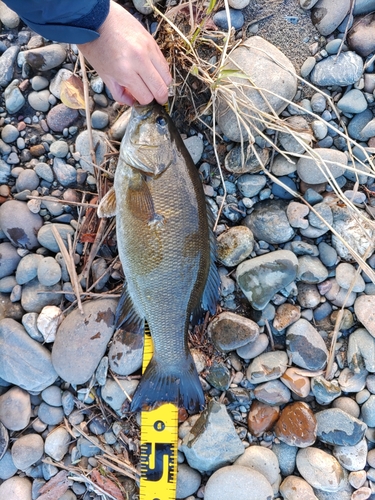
(229, 331)
(249, 185)
(327, 254)
(236, 18)
(246, 158)
(50, 415)
(273, 393)
(7, 284)
(115, 394)
(268, 222)
(39, 83)
(83, 147)
(235, 245)
(65, 173)
(81, 340)
(262, 460)
(45, 58)
(261, 277)
(327, 164)
(126, 353)
(7, 61)
(353, 101)
(59, 149)
(253, 349)
(325, 391)
(267, 366)
(237, 483)
(16, 488)
(99, 119)
(39, 100)
(35, 296)
(311, 270)
(358, 123)
(7, 467)
(23, 361)
(286, 455)
(256, 58)
(57, 443)
(337, 427)
(19, 224)
(27, 268)
(61, 117)
(52, 395)
(49, 271)
(341, 70)
(8, 17)
(188, 481)
(305, 346)
(358, 237)
(47, 239)
(9, 259)
(361, 351)
(15, 409)
(310, 464)
(9, 134)
(368, 411)
(44, 171)
(9, 309)
(27, 179)
(4, 172)
(213, 441)
(364, 308)
(327, 15)
(27, 450)
(88, 448)
(352, 458)
(348, 405)
(55, 85)
(295, 488)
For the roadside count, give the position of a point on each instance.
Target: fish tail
(161, 384)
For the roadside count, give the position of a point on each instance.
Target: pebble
(81, 340)
(361, 351)
(27, 268)
(47, 239)
(14, 99)
(314, 172)
(9, 134)
(35, 296)
(49, 271)
(15, 409)
(115, 394)
(99, 119)
(82, 146)
(360, 36)
(59, 149)
(50, 415)
(325, 391)
(253, 349)
(8, 17)
(27, 450)
(262, 222)
(262, 460)
(229, 331)
(284, 165)
(310, 464)
(7, 60)
(305, 346)
(368, 411)
(213, 441)
(16, 488)
(337, 427)
(235, 482)
(352, 102)
(64, 173)
(364, 309)
(256, 59)
(234, 245)
(125, 353)
(7, 467)
(38, 373)
(9, 259)
(341, 70)
(267, 366)
(250, 185)
(188, 481)
(295, 488)
(296, 382)
(45, 58)
(57, 443)
(311, 270)
(261, 277)
(55, 85)
(61, 117)
(236, 19)
(272, 393)
(39, 100)
(286, 314)
(19, 224)
(309, 297)
(261, 417)
(352, 458)
(27, 180)
(297, 426)
(329, 14)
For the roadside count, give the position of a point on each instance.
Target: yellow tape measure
(159, 434)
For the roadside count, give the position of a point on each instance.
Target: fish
(167, 249)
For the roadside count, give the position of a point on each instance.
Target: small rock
(126, 353)
(99, 119)
(229, 331)
(236, 19)
(305, 346)
(16, 488)
(188, 481)
(341, 70)
(293, 487)
(235, 245)
(19, 224)
(364, 308)
(61, 117)
(57, 443)
(327, 15)
(297, 383)
(339, 428)
(194, 145)
(267, 366)
(296, 425)
(45, 58)
(15, 409)
(352, 458)
(7, 60)
(262, 417)
(27, 450)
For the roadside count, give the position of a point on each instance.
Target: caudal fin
(160, 384)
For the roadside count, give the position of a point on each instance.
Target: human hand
(128, 59)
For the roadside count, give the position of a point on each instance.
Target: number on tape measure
(159, 436)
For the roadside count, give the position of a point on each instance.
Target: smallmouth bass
(166, 246)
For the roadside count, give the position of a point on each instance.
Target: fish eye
(160, 120)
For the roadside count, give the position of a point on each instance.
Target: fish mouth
(142, 111)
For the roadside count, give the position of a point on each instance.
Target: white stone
(48, 322)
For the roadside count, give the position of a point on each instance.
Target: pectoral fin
(127, 317)
(139, 200)
(107, 206)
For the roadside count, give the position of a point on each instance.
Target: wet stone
(296, 425)
(262, 417)
(229, 331)
(339, 428)
(325, 391)
(272, 393)
(267, 366)
(218, 376)
(213, 441)
(261, 277)
(305, 346)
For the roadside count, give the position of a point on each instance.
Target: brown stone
(297, 425)
(297, 383)
(37, 150)
(319, 188)
(262, 418)
(60, 117)
(286, 314)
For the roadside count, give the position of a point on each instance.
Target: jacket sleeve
(71, 21)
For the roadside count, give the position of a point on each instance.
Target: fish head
(148, 143)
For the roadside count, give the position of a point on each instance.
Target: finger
(121, 94)
(155, 83)
(161, 66)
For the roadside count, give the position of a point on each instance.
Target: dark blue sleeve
(71, 21)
